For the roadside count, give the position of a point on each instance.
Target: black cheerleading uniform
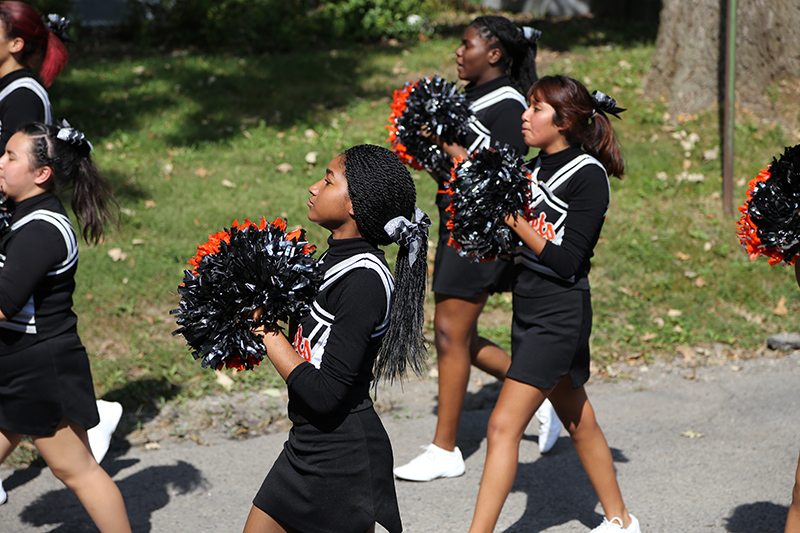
(552, 303)
(335, 471)
(22, 100)
(44, 368)
(497, 107)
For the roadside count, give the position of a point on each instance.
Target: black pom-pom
(770, 223)
(484, 189)
(6, 212)
(434, 104)
(238, 271)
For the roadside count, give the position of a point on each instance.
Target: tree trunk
(688, 63)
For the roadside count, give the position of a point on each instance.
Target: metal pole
(728, 112)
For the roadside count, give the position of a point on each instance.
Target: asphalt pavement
(705, 450)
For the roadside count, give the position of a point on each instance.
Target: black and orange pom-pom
(484, 189)
(237, 271)
(770, 222)
(430, 105)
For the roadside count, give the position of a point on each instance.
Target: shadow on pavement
(758, 516)
(144, 492)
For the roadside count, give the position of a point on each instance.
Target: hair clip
(531, 34)
(58, 25)
(75, 137)
(409, 233)
(605, 104)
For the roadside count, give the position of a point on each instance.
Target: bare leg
(458, 346)
(793, 520)
(575, 411)
(8, 442)
(515, 408)
(68, 456)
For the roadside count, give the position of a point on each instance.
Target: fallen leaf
(150, 204)
(736, 368)
(780, 309)
(700, 282)
(228, 184)
(116, 254)
(137, 241)
(310, 134)
(224, 380)
(682, 256)
(674, 312)
(284, 167)
(152, 445)
(687, 352)
(648, 337)
(202, 172)
(272, 393)
(311, 158)
(691, 434)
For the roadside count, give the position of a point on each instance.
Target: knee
(502, 431)
(72, 476)
(796, 494)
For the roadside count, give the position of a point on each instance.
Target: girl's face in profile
(539, 129)
(330, 205)
(473, 57)
(18, 179)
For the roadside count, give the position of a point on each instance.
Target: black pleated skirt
(44, 383)
(550, 338)
(337, 481)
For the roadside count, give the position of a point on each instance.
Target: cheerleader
(335, 471)
(46, 386)
(552, 306)
(27, 39)
(793, 519)
(497, 60)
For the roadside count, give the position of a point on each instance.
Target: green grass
(170, 128)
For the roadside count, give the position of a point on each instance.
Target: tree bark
(688, 63)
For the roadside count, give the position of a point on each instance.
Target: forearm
(525, 231)
(279, 351)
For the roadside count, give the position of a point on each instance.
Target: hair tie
(58, 25)
(409, 234)
(75, 137)
(605, 104)
(531, 34)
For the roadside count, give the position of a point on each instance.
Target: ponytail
(67, 152)
(518, 47)
(383, 196)
(582, 118)
(43, 38)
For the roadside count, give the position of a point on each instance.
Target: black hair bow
(605, 104)
(58, 25)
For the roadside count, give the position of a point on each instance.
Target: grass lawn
(191, 142)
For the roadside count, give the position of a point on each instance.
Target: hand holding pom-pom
(425, 108)
(244, 277)
(484, 189)
(770, 223)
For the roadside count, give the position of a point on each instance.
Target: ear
(494, 56)
(42, 175)
(16, 45)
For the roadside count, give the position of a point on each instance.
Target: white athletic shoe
(432, 464)
(549, 426)
(100, 435)
(3, 494)
(615, 525)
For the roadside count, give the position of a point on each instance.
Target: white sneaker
(100, 435)
(549, 426)
(3, 494)
(433, 463)
(616, 525)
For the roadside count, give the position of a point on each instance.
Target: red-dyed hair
(21, 20)
(575, 116)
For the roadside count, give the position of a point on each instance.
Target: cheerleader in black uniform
(45, 384)
(793, 518)
(552, 305)
(25, 39)
(497, 60)
(335, 471)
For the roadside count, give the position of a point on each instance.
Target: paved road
(736, 477)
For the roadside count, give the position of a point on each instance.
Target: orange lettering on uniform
(301, 345)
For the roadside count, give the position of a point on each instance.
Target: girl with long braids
(497, 59)
(335, 471)
(46, 386)
(552, 304)
(26, 40)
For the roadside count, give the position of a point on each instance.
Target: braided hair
(69, 159)
(518, 50)
(381, 189)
